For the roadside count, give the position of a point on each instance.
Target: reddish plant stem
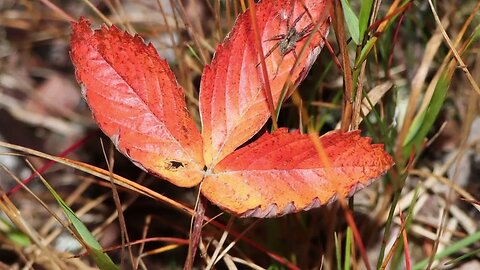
(395, 39)
(50, 163)
(377, 24)
(259, 49)
(405, 243)
(196, 232)
(356, 235)
(338, 23)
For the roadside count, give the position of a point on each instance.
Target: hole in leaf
(173, 165)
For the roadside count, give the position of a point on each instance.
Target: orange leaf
(232, 103)
(137, 102)
(281, 173)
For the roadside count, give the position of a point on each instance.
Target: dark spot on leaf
(173, 165)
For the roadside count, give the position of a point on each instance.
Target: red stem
(50, 163)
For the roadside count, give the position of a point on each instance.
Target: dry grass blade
(116, 198)
(98, 12)
(372, 99)
(58, 10)
(418, 81)
(454, 50)
(220, 244)
(137, 188)
(195, 34)
(12, 212)
(232, 244)
(102, 174)
(267, 90)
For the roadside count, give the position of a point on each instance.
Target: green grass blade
(389, 223)
(463, 257)
(465, 242)
(352, 21)
(13, 234)
(348, 248)
(194, 53)
(338, 252)
(102, 260)
(415, 127)
(474, 36)
(373, 40)
(364, 18)
(426, 119)
(365, 51)
(400, 251)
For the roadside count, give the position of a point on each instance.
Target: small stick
(196, 232)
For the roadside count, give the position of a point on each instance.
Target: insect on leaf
(233, 105)
(137, 102)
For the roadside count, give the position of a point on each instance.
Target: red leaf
(281, 173)
(137, 102)
(232, 103)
